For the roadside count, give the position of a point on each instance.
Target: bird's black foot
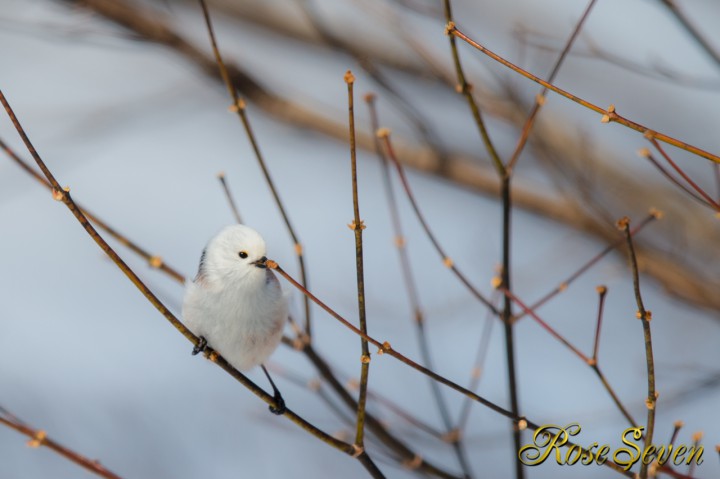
(279, 408)
(200, 346)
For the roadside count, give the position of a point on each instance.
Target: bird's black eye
(243, 254)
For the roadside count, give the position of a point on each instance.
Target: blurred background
(123, 101)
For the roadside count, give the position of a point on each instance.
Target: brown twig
(694, 32)
(466, 90)
(358, 226)
(602, 292)
(592, 362)
(228, 195)
(238, 106)
(540, 99)
(609, 115)
(645, 153)
(563, 286)
(697, 438)
(645, 316)
(384, 135)
(679, 170)
(676, 429)
(39, 438)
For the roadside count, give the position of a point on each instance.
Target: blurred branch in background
(582, 173)
(692, 30)
(593, 50)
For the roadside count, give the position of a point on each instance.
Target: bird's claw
(279, 407)
(201, 346)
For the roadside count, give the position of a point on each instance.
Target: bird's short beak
(261, 262)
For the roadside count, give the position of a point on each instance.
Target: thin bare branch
(540, 99)
(694, 32)
(358, 226)
(609, 115)
(39, 438)
(602, 292)
(412, 291)
(645, 153)
(684, 175)
(565, 284)
(466, 90)
(645, 316)
(229, 196)
(238, 107)
(384, 135)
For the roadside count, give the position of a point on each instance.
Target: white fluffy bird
(235, 304)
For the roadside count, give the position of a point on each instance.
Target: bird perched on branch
(235, 304)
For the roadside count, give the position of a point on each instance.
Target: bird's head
(235, 253)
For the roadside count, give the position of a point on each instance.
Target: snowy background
(139, 135)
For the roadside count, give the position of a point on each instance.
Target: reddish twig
(679, 170)
(645, 153)
(545, 325)
(608, 115)
(654, 214)
(540, 99)
(39, 438)
(384, 135)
